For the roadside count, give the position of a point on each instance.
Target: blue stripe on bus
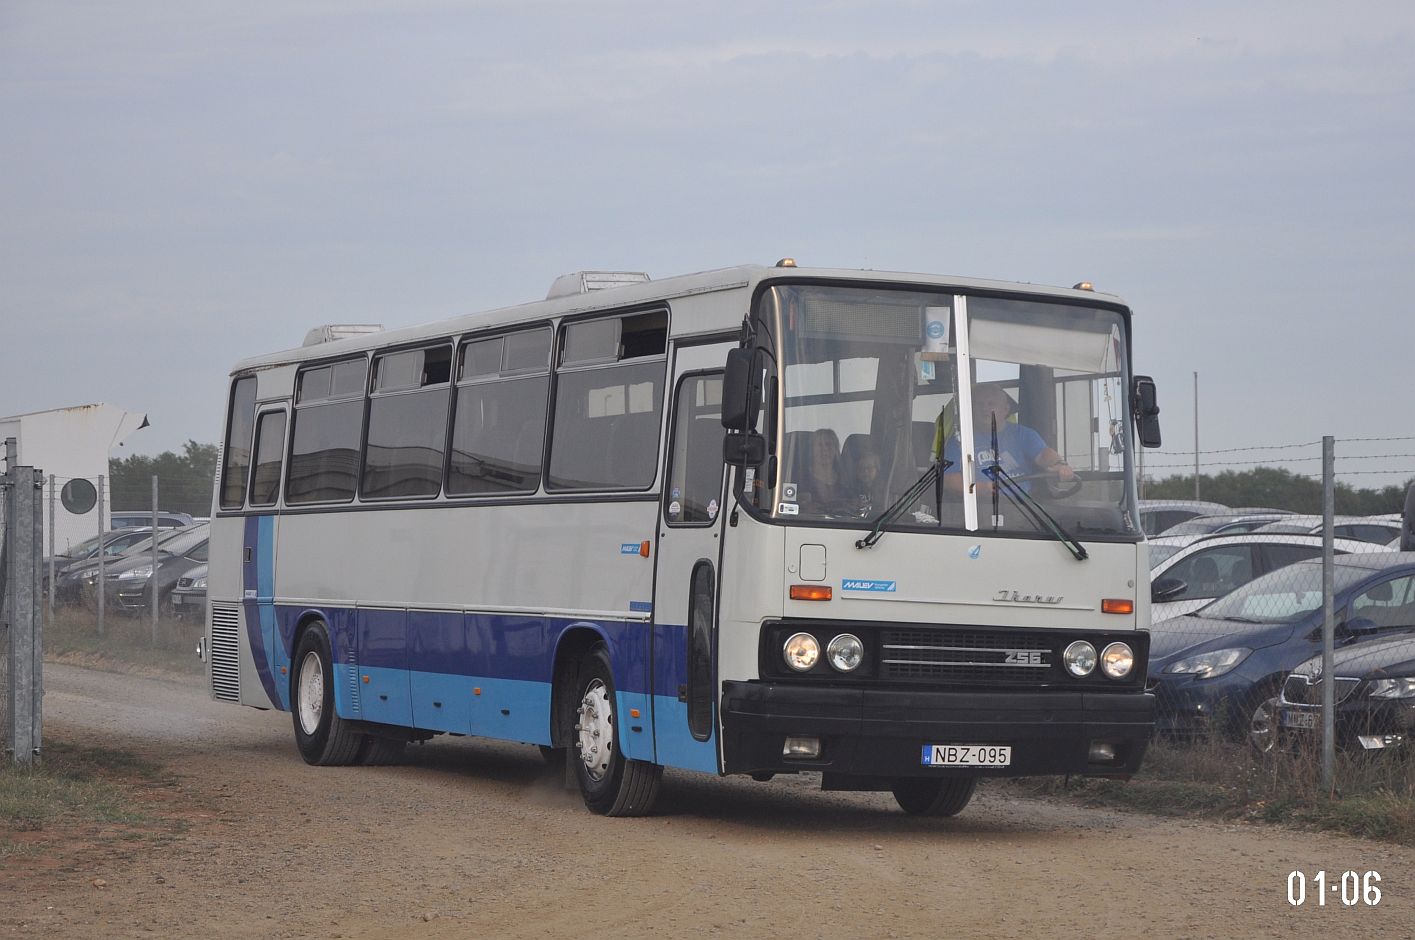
(423, 668)
(259, 626)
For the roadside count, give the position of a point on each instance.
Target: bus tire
(942, 796)
(324, 739)
(611, 784)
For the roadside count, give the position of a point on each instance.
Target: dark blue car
(1223, 666)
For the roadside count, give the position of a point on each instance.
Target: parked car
(114, 542)
(1374, 692)
(129, 583)
(165, 520)
(1156, 515)
(1222, 667)
(1220, 524)
(1377, 529)
(1208, 569)
(189, 596)
(76, 581)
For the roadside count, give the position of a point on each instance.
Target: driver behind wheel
(1021, 450)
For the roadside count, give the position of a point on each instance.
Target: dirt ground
(472, 838)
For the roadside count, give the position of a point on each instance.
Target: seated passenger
(821, 484)
(863, 479)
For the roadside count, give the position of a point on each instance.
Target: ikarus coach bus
(764, 520)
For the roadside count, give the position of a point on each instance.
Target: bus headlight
(845, 652)
(801, 651)
(1080, 658)
(1117, 660)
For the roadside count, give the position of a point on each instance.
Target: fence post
(52, 537)
(99, 583)
(25, 534)
(1328, 616)
(152, 580)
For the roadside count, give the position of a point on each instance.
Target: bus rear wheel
(942, 796)
(611, 784)
(324, 739)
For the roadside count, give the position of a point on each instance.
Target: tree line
(184, 481)
(1276, 488)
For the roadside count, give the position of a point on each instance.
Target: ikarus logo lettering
(857, 584)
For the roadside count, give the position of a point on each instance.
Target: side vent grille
(354, 704)
(225, 652)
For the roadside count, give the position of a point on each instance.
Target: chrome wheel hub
(311, 692)
(1262, 726)
(595, 729)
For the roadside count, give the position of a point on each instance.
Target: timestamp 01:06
(1352, 887)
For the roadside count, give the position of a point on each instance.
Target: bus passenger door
(685, 581)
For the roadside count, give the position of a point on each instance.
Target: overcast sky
(183, 185)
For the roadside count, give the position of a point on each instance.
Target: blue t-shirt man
(1021, 449)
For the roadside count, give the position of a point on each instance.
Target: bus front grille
(972, 656)
(225, 652)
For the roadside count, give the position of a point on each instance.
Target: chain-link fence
(1242, 605)
(21, 623)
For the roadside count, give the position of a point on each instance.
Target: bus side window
(325, 430)
(237, 464)
(608, 403)
(695, 472)
(269, 452)
(498, 425)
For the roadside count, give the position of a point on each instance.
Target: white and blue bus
(763, 520)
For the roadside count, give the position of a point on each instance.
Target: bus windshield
(869, 386)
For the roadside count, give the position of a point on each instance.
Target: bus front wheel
(942, 796)
(611, 784)
(323, 737)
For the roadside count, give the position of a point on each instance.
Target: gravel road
(472, 838)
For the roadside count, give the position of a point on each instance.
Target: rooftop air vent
(337, 331)
(582, 282)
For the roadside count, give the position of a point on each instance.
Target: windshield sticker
(676, 494)
(788, 492)
(789, 509)
(877, 587)
(712, 509)
(629, 548)
(674, 508)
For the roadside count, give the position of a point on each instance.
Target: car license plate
(1295, 719)
(966, 755)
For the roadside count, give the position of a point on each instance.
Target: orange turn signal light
(644, 548)
(810, 592)
(1117, 605)
(633, 713)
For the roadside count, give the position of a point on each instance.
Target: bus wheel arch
(322, 737)
(574, 645)
(610, 783)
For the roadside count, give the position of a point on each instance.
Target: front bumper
(1391, 722)
(880, 733)
(1185, 704)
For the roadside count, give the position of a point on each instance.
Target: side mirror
(744, 450)
(1146, 409)
(741, 391)
(1361, 626)
(1167, 589)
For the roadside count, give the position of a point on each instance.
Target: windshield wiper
(935, 474)
(1025, 502)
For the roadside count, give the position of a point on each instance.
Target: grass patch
(71, 635)
(1218, 779)
(73, 786)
